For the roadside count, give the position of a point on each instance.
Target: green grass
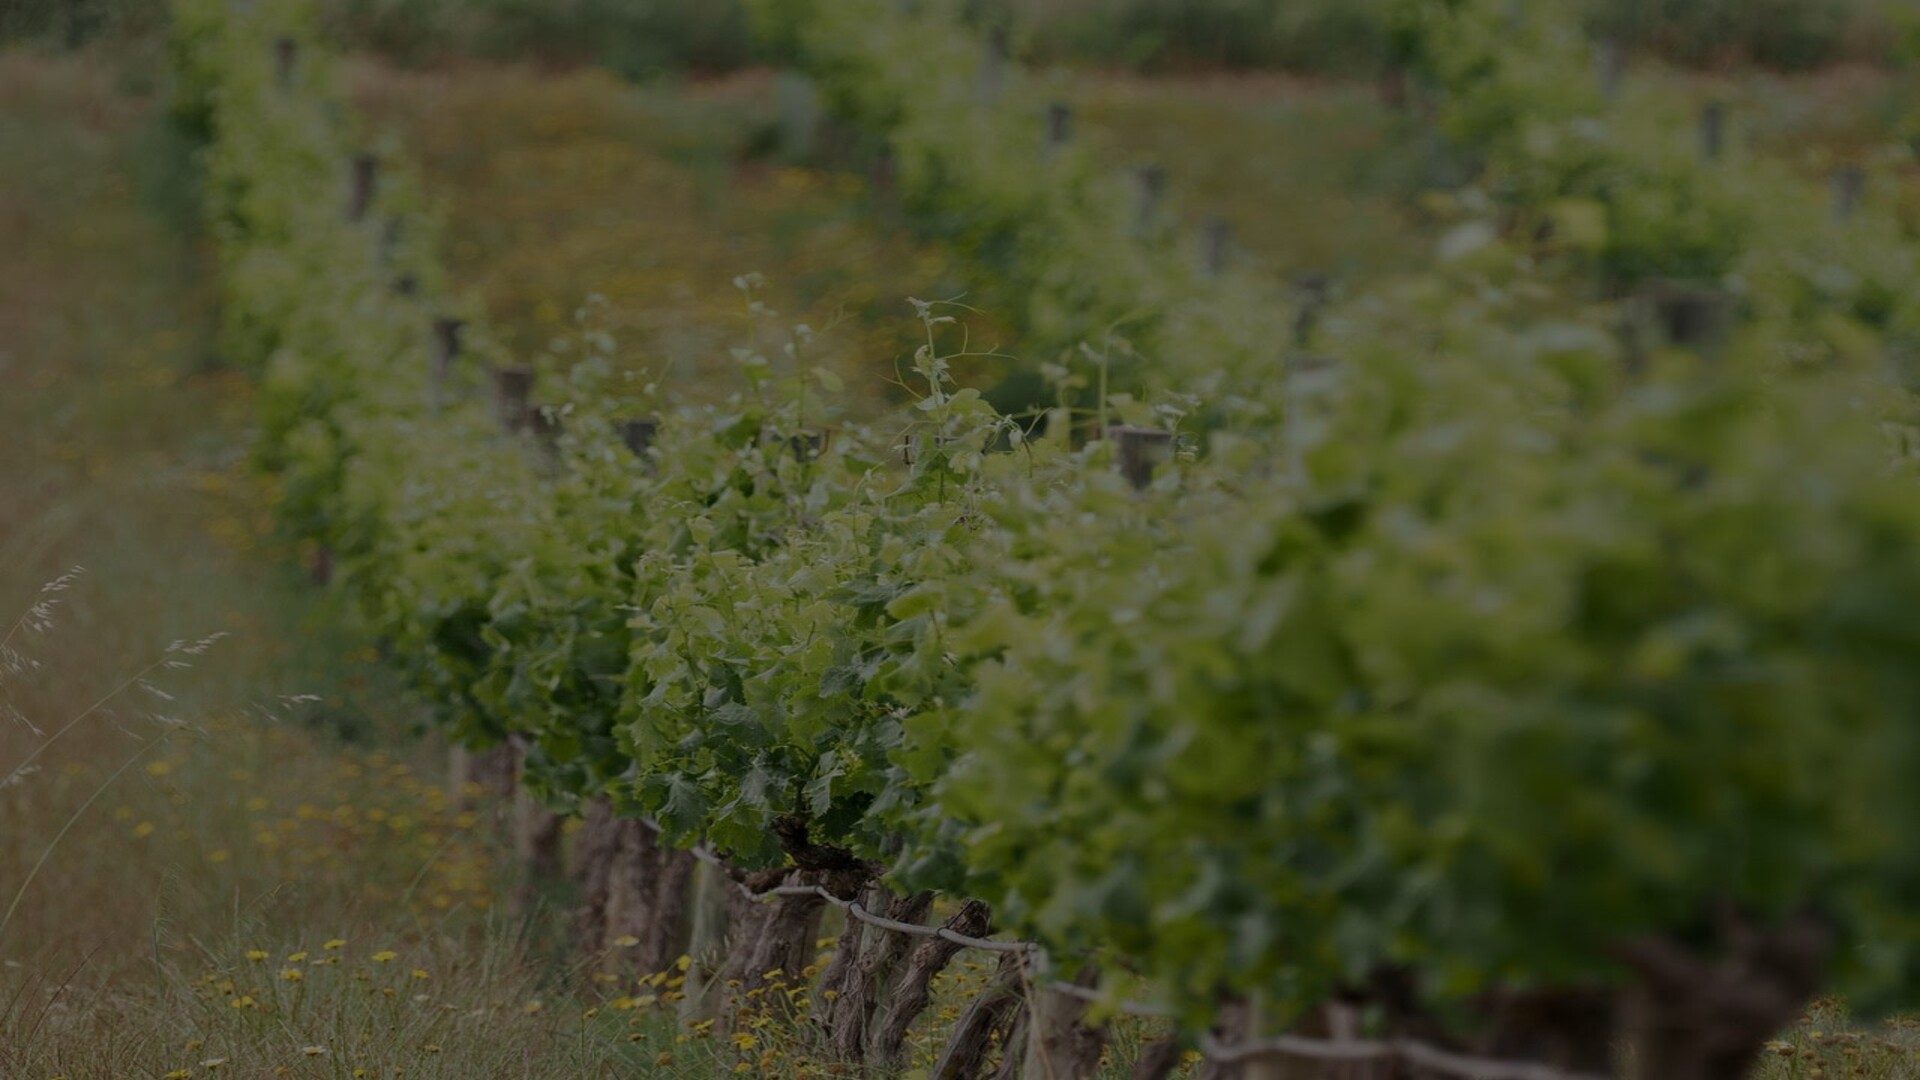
(268, 797)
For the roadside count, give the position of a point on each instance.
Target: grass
(271, 796)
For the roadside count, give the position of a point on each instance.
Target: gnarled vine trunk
(906, 996)
(992, 1013)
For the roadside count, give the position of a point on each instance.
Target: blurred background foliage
(648, 38)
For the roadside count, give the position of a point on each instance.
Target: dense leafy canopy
(1475, 651)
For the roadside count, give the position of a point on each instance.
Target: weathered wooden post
(807, 445)
(799, 116)
(1061, 1045)
(638, 433)
(365, 175)
(322, 569)
(1394, 88)
(1610, 65)
(1299, 367)
(1059, 126)
(1849, 190)
(1149, 190)
(392, 232)
(1694, 316)
(447, 337)
(1141, 450)
(993, 65)
(708, 931)
(1159, 1058)
(1216, 238)
(513, 396)
(286, 52)
(1310, 290)
(536, 831)
(77, 24)
(1713, 130)
(883, 173)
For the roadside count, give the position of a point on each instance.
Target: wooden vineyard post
(364, 178)
(392, 232)
(808, 445)
(593, 857)
(459, 774)
(637, 434)
(286, 53)
(1140, 451)
(1392, 88)
(1849, 189)
(1610, 65)
(76, 25)
(1159, 1058)
(447, 340)
(1713, 130)
(707, 940)
(649, 887)
(536, 832)
(1216, 238)
(784, 945)
(799, 116)
(1149, 191)
(883, 174)
(1059, 126)
(830, 994)
(513, 396)
(1300, 367)
(1698, 317)
(1060, 1044)
(993, 65)
(1311, 290)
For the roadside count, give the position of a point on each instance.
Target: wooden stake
(1849, 189)
(1059, 126)
(1141, 451)
(1149, 189)
(366, 173)
(447, 334)
(1060, 1044)
(993, 66)
(638, 434)
(512, 396)
(1713, 130)
(1311, 289)
(1216, 236)
(1610, 65)
(286, 51)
